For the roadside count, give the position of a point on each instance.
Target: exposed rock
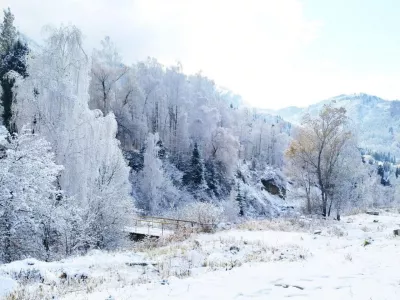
(273, 188)
(376, 221)
(234, 249)
(197, 244)
(285, 286)
(298, 287)
(81, 276)
(3, 152)
(164, 282)
(373, 213)
(141, 264)
(396, 232)
(317, 232)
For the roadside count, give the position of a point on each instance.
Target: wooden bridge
(156, 227)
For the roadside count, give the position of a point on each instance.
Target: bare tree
(319, 144)
(107, 70)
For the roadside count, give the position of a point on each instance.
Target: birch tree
(319, 145)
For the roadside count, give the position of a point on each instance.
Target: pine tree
(162, 152)
(8, 31)
(210, 178)
(12, 58)
(194, 176)
(240, 199)
(218, 184)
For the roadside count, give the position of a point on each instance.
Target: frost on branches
(29, 198)
(95, 178)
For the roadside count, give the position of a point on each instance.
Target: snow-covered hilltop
(377, 121)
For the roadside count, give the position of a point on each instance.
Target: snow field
(259, 260)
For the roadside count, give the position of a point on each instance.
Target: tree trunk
(7, 100)
(308, 205)
(7, 237)
(330, 207)
(324, 203)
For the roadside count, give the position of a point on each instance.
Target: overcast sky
(275, 53)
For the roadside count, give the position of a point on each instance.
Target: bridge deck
(147, 230)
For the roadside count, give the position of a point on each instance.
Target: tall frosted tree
(106, 71)
(154, 190)
(13, 54)
(54, 99)
(319, 146)
(150, 177)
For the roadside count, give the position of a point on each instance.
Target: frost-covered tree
(54, 99)
(150, 178)
(385, 171)
(225, 148)
(154, 189)
(320, 143)
(350, 181)
(107, 69)
(28, 197)
(13, 54)
(304, 178)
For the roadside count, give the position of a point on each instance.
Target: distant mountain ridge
(376, 120)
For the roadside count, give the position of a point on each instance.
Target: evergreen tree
(12, 58)
(8, 31)
(162, 152)
(210, 178)
(218, 183)
(194, 176)
(380, 170)
(240, 199)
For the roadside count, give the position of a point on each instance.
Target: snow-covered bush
(207, 214)
(28, 197)
(231, 210)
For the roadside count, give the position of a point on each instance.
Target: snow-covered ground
(357, 258)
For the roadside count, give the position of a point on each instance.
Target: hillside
(376, 120)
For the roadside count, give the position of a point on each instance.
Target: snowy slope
(260, 260)
(376, 120)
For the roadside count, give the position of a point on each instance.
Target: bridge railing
(150, 224)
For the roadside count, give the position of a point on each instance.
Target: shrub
(206, 214)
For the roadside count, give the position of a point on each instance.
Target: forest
(88, 141)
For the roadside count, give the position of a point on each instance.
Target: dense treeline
(87, 119)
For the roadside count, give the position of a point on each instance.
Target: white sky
(257, 48)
